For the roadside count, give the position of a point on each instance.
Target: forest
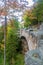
(32, 16)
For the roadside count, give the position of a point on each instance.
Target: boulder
(34, 57)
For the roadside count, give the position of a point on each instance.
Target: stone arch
(24, 44)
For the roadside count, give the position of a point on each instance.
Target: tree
(28, 18)
(1, 34)
(1, 41)
(38, 10)
(12, 42)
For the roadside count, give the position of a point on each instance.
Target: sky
(30, 3)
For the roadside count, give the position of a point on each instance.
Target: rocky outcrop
(34, 57)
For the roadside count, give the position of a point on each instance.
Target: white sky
(30, 4)
(1, 3)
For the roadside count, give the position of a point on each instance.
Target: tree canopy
(34, 15)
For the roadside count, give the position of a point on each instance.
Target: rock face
(32, 43)
(34, 57)
(40, 36)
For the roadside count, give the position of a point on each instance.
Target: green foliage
(13, 56)
(38, 11)
(27, 21)
(12, 44)
(20, 60)
(1, 41)
(1, 60)
(1, 34)
(40, 6)
(35, 15)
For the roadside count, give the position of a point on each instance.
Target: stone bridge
(28, 40)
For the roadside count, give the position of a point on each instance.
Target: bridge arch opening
(22, 37)
(24, 44)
